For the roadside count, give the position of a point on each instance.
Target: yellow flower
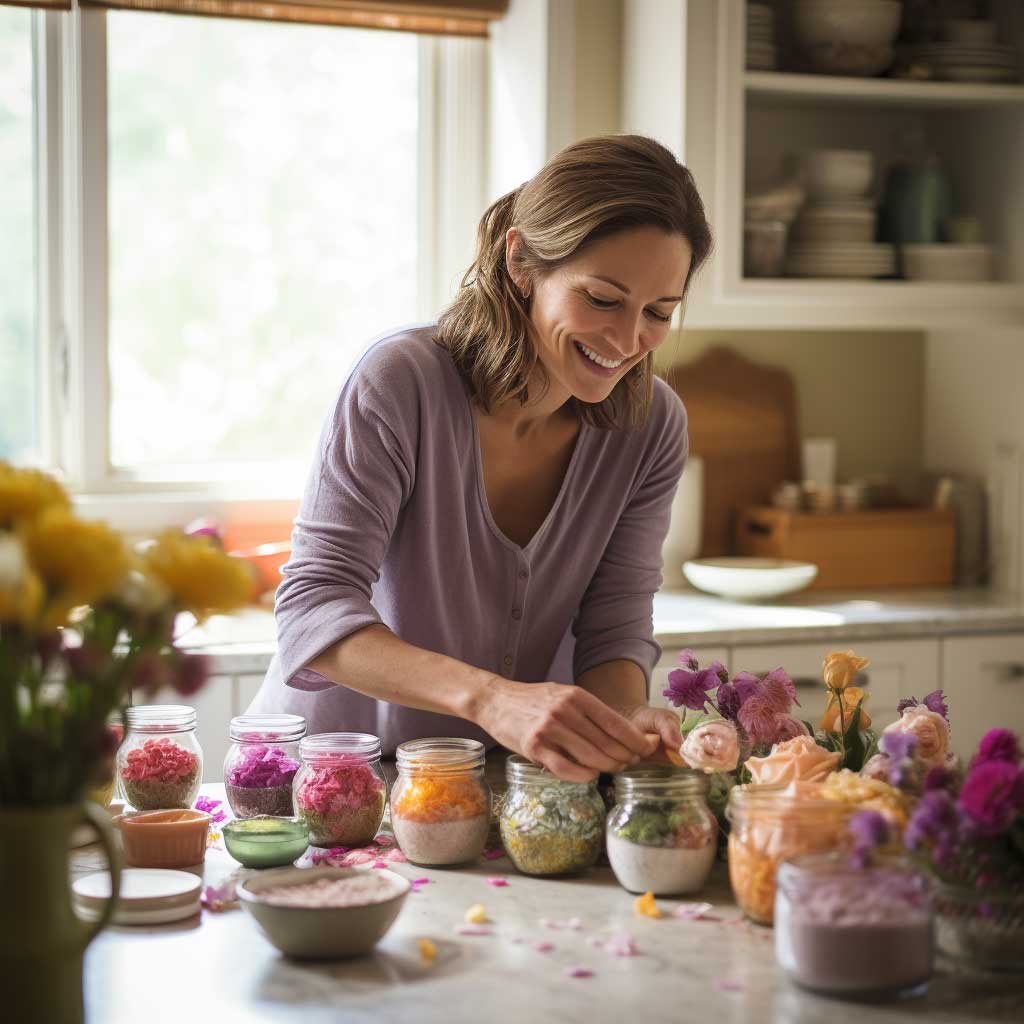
(851, 697)
(477, 914)
(21, 590)
(866, 794)
(25, 493)
(428, 951)
(79, 562)
(841, 668)
(201, 577)
(645, 905)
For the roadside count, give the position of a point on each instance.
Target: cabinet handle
(814, 683)
(1007, 671)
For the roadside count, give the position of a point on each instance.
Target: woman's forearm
(375, 662)
(620, 683)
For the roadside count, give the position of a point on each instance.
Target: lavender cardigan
(395, 527)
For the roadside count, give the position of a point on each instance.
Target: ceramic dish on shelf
(743, 578)
(948, 262)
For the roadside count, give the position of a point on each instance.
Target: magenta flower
(728, 699)
(781, 688)
(746, 685)
(210, 806)
(997, 745)
(935, 821)
(992, 796)
(689, 688)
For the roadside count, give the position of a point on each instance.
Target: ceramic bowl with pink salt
(324, 913)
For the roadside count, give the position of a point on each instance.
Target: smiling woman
(483, 523)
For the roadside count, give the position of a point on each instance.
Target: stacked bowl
(840, 37)
(762, 52)
(834, 234)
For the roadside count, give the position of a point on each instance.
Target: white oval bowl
(745, 578)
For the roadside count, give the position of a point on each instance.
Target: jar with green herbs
(661, 833)
(549, 827)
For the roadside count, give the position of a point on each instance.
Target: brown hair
(590, 190)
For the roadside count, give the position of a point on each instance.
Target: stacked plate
(836, 222)
(960, 62)
(841, 259)
(762, 53)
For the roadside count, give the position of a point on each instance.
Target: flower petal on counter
(695, 912)
(498, 883)
(418, 883)
(578, 972)
(645, 905)
(428, 951)
(474, 929)
(493, 854)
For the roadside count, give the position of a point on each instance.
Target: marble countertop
(218, 966)
(245, 643)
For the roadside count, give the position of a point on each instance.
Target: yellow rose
(866, 794)
(850, 697)
(202, 579)
(841, 668)
(79, 562)
(26, 493)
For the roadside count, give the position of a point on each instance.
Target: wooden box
(892, 547)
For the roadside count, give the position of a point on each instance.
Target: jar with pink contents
(340, 789)
(160, 762)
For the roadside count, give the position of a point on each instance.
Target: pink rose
(712, 747)
(796, 760)
(930, 730)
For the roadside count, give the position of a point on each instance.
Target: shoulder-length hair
(590, 190)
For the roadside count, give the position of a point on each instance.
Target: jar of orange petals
(441, 803)
(770, 824)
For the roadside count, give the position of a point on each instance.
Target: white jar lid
(148, 895)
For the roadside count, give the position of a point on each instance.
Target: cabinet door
(246, 687)
(670, 660)
(899, 668)
(983, 678)
(213, 705)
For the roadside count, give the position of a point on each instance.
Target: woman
(483, 522)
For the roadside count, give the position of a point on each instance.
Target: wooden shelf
(897, 92)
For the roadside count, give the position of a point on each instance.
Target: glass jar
(549, 827)
(661, 834)
(340, 788)
(261, 763)
(858, 932)
(770, 824)
(160, 762)
(441, 803)
(981, 928)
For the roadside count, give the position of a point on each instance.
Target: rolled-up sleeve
(615, 619)
(362, 475)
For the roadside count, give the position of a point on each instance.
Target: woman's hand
(569, 731)
(658, 722)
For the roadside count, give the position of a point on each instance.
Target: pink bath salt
(498, 883)
(158, 760)
(262, 767)
(330, 788)
(383, 840)
(396, 856)
(358, 890)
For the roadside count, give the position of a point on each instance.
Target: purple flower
(907, 702)
(869, 830)
(997, 745)
(788, 728)
(936, 701)
(728, 699)
(746, 685)
(935, 819)
(193, 671)
(209, 805)
(992, 796)
(690, 688)
(688, 660)
(778, 682)
(939, 777)
(898, 745)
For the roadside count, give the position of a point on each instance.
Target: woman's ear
(513, 255)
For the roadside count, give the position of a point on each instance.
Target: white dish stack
(970, 53)
(834, 234)
(762, 51)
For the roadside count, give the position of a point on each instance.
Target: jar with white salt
(441, 802)
(661, 833)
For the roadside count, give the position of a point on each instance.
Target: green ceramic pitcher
(42, 940)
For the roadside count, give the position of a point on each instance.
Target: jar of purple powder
(340, 789)
(851, 931)
(261, 763)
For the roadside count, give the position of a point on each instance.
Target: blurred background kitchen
(203, 219)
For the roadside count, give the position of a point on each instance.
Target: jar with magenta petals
(340, 789)
(160, 762)
(261, 764)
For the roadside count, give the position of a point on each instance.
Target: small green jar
(266, 841)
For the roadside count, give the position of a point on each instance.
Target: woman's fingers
(581, 749)
(609, 745)
(562, 767)
(615, 726)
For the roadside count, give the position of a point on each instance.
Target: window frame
(72, 305)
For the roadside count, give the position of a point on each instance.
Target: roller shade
(456, 17)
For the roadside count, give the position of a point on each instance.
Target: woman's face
(601, 312)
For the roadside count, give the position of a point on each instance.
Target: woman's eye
(657, 316)
(600, 303)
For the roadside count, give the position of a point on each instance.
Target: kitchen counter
(218, 967)
(244, 644)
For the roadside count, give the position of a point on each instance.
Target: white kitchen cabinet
(670, 660)
(983, 678)
(685, 83)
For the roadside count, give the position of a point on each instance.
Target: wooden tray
(898, 547)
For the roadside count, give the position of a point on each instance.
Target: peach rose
(930, 730)
(712, 747)
(841, 668)
(796, 760)
(850, 697)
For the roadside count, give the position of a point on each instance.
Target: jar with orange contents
(770, 824)
(441, 803)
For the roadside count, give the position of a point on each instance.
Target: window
(18, 352)
(262, 206)
(227, 212)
